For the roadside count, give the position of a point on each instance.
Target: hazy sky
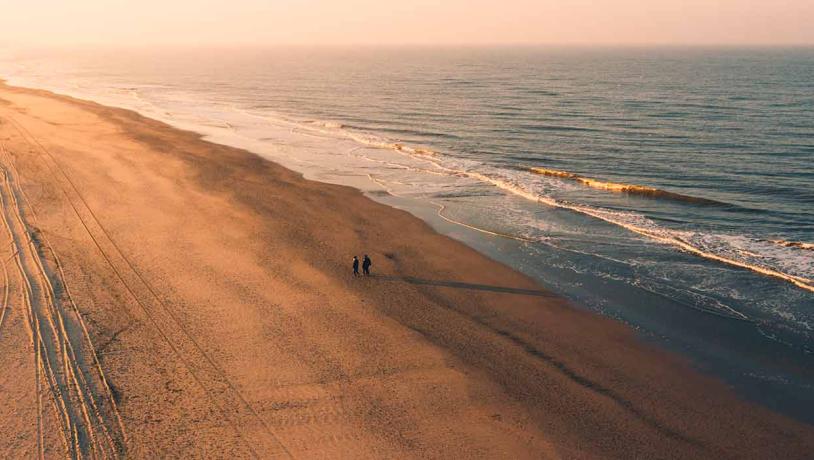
(373, 22)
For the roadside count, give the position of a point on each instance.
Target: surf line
(794, 244)
(631, 189)
(440, 212)
(430, 157)
(800, 282)
(803, 283)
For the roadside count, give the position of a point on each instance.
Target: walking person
(355, 266)
(366, 265)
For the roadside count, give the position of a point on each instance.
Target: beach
(165, 296)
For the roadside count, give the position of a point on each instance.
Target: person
(366, 265)
(355, 266)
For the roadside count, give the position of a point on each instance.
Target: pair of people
(366, 263)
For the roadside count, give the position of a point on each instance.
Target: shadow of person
(462, 285)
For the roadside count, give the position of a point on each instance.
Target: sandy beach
(164, 296)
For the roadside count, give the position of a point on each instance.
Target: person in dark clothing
(366, 265)
(355, 266)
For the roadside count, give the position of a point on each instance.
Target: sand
(168, 297)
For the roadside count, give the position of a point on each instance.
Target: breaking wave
(623, 188)
(794, 244)
(686, 241)
(725, 249)
(719, 248)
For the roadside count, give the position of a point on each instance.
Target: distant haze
(427, 22)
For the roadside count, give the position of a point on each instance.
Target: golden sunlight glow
(373, 22)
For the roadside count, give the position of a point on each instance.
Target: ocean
(671, 189)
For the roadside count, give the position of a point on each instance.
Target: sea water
(670, 189)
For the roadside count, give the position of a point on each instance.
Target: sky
(423, 22)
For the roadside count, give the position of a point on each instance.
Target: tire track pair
(6, 283)
(220, 391)
(32, 329)
(57, 350)
(117, 432)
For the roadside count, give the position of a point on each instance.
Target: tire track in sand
(6, 260)
(93, 381)
(6, 281)
(220, 391)
(57, 346)
(32, 329)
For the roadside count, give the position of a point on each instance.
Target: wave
(337, 129)
(443, 164)
(630, 221)
(794, 244)
(326, 124)
(642, 226)
(442, 215)
(631, 189)
(686, 241)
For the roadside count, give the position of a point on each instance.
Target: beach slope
(168, 297)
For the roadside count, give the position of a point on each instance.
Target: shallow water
(677, 196)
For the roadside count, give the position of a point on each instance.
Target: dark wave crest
(631, 189)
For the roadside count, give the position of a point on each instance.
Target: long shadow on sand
(462, 285)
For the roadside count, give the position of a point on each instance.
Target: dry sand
(168, 297)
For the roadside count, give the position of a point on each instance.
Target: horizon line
(414, 45)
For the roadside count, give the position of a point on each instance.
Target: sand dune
(168, 297)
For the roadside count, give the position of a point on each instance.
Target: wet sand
(168, 297)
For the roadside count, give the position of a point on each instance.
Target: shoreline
(498, 343)
(304, 124)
